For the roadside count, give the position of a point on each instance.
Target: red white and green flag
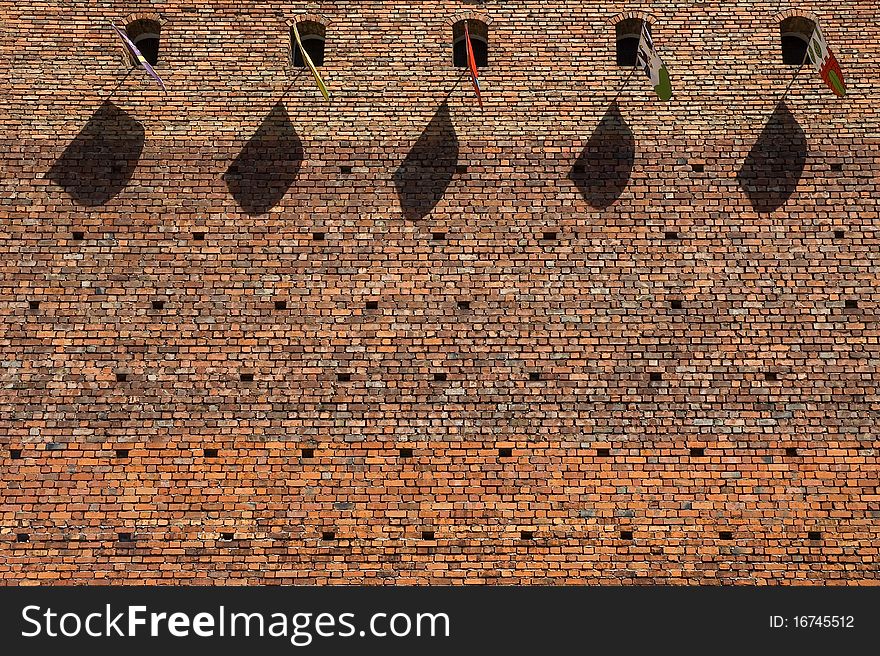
(650, 62)
(472, 64)
(132, 49)
(826, 63)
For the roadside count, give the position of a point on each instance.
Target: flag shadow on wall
(101, 159)
(424, 175)
(773, 168)
(267, 166)
(603, 169)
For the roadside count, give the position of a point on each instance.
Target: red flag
(472, 64)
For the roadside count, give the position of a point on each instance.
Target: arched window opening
(312, 35)
(795, 33)
(479, 32)
(144, 34)
(629, 33)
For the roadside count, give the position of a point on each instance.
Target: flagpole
(625, 82)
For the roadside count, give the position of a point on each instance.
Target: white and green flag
(650, 62)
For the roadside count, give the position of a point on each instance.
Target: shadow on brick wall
(101, 159)
(268, 164)
(773, 168)
(429, 166)
(603, 169)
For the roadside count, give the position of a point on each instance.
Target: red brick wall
(761, 274)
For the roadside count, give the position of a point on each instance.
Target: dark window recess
(771, 375)
(427, 535)
(226, 537)
(464, 305)
(34, 305)
(22, 537)
(675, 305)
(438, 236)
(814, 535)
(534, 375)
(372, 305)
(698, 452)
(122, 453)
(837, 167)
(125, 537)
(725, 535)
(549, 236)
(656, 376)
(327, 536)
(345, 170)
(603, 453)
(247, 378)
(626, 535)
(280, 305)
(319, 236)
(149, 47)
(791, 451)
(479, 33)
(794, 49)
(505, 453)
(627, 50)
(343, 378)
(78, 236)
(526, 535)
(439, 376)
(199, 236)
(211, 453)
(698, 168)
(406, 452)
(312, 36)
(839, 234)
(307, 454)
(121, 378)
(670, 234)
(461, 169)
(851, 304)
(158, 305)
(15, 454)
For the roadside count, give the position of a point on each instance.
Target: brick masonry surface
(569, 297)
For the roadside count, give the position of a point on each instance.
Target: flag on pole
(133, 50)
(472, 64)
(311, 66)
(650, 62)
(826, 63)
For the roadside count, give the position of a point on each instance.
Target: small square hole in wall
(121, 378)
(198, 236)
(675, 304)
(579, 169)
(328, 536)
(837, 167)
(226, 536)
(345, 170)
(839, 234)
(406, 452)
(851, 304)
(246, 378)
(771, 376)
(698, 168)
(125, 537)
(440, 376)
(34, 305)
(343, 378)
(22, 537)
(549, 236)
(725, 535)
(526, 535)
(78, 235)
(698, 452)
(438, 236)
(158, 305)
(534, 376)
(280, 305)
(122, 453)
(307, 453)
(791, 451)
(461, 168)
(603, 453)
(626, 535)
(656, 376)
(427, 535)
(505, 452)
(319, 236)
(211, 453)
(464, 305)
(670, 234)
(15, 454)
(372, 305)
(814, 535)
